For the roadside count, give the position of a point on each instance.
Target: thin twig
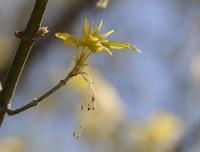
(36, 101)
(21, 55)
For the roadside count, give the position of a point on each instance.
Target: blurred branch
(22, 53)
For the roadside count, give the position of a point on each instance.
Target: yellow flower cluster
(94, 41)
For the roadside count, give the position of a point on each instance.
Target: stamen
(77, 134)
(91, 92)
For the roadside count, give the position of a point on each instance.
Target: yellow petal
(85, 28)
(93, 38)
(91, 27)
(120, 45)
(103, 36)
(62, 35)
(107, 51)
(98, 28)
(68, 39)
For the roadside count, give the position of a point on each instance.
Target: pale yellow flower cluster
(94, 41)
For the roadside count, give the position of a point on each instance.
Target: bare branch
(21, 55)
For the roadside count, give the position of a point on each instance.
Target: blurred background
(146, 102)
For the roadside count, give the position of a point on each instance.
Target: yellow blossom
(94, 41)
(161, 132)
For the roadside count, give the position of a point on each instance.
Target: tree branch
(21, 55)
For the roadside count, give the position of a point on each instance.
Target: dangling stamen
(77, 134)
(91, 92)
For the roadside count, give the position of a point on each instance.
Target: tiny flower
(94, 41)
